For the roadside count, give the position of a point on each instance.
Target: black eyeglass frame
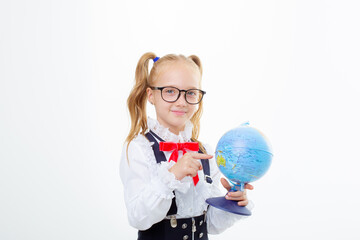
(180, 90)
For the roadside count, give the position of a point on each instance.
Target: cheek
(192, 109)
(161, 106)
(158, 99)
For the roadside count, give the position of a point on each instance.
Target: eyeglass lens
(191, 96)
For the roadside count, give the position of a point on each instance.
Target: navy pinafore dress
(171, 228)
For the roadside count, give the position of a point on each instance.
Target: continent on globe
(221, 161)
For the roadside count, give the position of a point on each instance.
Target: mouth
(178, 112)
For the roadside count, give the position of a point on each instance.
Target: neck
(176, 132)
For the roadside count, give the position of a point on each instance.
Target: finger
(237, 195)
(194, 166)
(194, 173)
(249, 186)
(201, 155)
(243, 203)
(191, 171)
(198, 165)
(242, 198)
(225, 184)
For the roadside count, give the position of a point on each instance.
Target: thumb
(225, 183)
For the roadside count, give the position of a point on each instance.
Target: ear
(150, 95)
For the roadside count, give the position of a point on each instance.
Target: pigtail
(197, 61)
(197, 115)
(137, 99)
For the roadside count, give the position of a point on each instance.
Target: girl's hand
(238, 196)
(188, 165)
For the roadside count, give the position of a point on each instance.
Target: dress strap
(160, 157)
(206, 168)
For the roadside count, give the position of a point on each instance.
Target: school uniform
(151, 192)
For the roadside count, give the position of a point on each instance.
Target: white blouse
(149, 186)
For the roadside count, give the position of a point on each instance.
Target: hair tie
(155, 59)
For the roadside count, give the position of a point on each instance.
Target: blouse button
(201, 222)
(201, 235)
(184, 226)
(185, 237)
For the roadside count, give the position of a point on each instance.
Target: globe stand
(229, 205)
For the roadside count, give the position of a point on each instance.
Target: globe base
(228, 206)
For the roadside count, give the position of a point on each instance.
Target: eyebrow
(179, 87)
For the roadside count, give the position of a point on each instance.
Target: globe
(243, 155)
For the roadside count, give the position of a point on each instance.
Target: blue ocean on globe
(243, 155)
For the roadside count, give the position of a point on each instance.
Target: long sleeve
(148, 187)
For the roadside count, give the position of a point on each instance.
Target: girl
(166, 172)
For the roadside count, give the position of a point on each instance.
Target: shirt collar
(166, 135)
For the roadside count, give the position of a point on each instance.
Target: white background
(289, 67)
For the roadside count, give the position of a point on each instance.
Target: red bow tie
(176, 147)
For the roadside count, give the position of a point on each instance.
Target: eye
(169, 91)
(192, 93)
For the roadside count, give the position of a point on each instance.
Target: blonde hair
(143, 79)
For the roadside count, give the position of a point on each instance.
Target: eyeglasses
(172, 94)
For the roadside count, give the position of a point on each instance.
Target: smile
(178, 113)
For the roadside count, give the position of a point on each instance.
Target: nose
(181, 100)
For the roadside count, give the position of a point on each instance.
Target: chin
(179, 123)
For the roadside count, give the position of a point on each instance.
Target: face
(174, 115)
